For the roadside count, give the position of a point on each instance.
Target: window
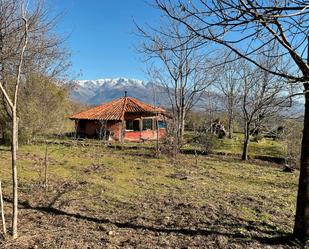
(132, 125)
(147, 124)
(161, 124)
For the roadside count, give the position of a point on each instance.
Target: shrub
(206, 142)
(293, 137)
(257, 138)
(23, 136)
(170, 146)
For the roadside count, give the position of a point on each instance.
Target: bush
(23, 137)
(206, 141)
(170, 146)
(293, 137)
(6, 139)
(257, 138)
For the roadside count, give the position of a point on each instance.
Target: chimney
(125, 93)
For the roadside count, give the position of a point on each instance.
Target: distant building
(123, 119)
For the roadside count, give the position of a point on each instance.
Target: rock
(111, 233)
(167, 218)
(179, 176)
(288, 168)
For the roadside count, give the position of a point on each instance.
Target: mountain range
(94, 92)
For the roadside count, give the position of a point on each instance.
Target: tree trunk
(246, 143)
(301, 226)
(181, 125)
(2, 211)
(17, 125)
(46, 166)
(230, 125)
(178, 123)
(14, 172)
(182, 128)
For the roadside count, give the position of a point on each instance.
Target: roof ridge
(107, 105)
(138, 102)
(123, 108)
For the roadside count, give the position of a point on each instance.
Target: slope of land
(107, 198)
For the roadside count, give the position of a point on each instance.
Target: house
(123, 119)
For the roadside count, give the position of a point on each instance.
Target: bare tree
(155, 105)
(229, 86)
(246, 27)
(24, 46)
(263, 96)
(182, 72)
(212, 105)
(12, 103)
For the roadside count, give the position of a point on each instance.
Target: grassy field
(108, 198)
(234, 146)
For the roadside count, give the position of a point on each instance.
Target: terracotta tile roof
(116, 109)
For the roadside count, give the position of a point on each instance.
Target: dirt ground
(106, 198)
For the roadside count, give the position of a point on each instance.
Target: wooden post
(2, 210)
(122, 132)
(141, 128)
(46, 167)
(76, 127)
(157, 127)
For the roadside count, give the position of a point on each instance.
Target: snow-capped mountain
(94, 92)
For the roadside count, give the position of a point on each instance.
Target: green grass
(264, 147)
(234, 203)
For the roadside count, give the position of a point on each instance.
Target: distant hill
(94, 92)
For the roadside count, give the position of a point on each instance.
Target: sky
(100, 36)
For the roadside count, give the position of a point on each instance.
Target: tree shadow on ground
(271, 236)
(5, 148)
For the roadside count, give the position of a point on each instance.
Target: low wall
(136, 136)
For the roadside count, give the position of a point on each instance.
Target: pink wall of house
(135, 136)
(90, 128)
